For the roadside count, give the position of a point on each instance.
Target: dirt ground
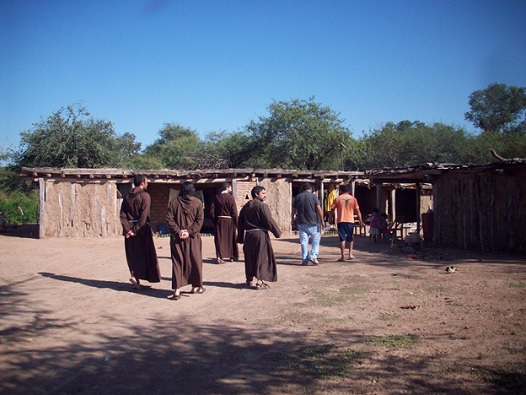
(385, 323)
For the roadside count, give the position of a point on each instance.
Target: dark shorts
(346, 231)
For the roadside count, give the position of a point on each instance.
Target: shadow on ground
(163, 356)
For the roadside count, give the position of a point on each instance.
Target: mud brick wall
(79, 209)
(279, 200)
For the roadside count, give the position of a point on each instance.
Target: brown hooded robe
(140, 249)
(223, 211)
(187, 260)
(254, 223)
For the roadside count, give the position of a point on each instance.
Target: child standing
(374, 223)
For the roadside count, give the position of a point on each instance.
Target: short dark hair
(345, 188)
(138, 179)
(306, 186)
(256, 191)
(187, 188)
(224, 186)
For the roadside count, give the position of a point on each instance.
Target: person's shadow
(114, 285)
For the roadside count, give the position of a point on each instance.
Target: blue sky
(216, 65)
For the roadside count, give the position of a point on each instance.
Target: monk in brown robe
(254, 223)
(138, 240)
(185, 219)
(223, 211)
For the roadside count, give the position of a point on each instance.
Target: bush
(19, 208)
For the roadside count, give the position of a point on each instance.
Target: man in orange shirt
(346, 205)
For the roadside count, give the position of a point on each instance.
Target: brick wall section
(242, 190)
(160, 195)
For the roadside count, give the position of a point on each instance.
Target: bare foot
(351, 256)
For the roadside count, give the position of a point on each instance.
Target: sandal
(135, 284)
(341, 260)
(262, 285)
(174, 297)
(198, 290)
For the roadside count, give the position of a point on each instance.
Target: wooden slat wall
(483, 211)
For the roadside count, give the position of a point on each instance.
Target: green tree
(70, 137)
(4, 154)
(232, 150)
(498, 109)
(411, 143)
(145, 162)
(300, 134)
(382, 147)
(177, 147)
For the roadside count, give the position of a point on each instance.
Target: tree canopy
(409, 143)
(300, 134)
(498, 108)
(177, 147)
(70, 137)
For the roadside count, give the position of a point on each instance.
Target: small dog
(451, 269)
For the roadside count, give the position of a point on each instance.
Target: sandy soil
(385, 323)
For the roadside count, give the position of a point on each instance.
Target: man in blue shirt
(306, 210)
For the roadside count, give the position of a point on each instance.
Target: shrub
(19, 208)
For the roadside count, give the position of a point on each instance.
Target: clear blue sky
(214, 65)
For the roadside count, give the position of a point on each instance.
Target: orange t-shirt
(345, 205)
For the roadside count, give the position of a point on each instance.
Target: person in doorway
(185, 218)
(138, 239)
(254, 224)
(223, 211)
(346, 207)
(307, 212)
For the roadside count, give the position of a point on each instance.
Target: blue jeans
(306, 230)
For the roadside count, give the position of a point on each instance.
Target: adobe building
(86, 202)
(477, 207)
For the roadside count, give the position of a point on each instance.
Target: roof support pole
(418, 188)
(379, 197)
(41, 206)
(393, 204)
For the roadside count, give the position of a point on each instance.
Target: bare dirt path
(381, 324)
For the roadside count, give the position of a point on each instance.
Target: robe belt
(135, 221)
(253, 230)
(224, 216)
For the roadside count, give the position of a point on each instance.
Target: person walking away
(307, 212)
(138, 239)
(346, 207)
(185, 218)
(254, 223)
(223, 211)
(374, 225)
